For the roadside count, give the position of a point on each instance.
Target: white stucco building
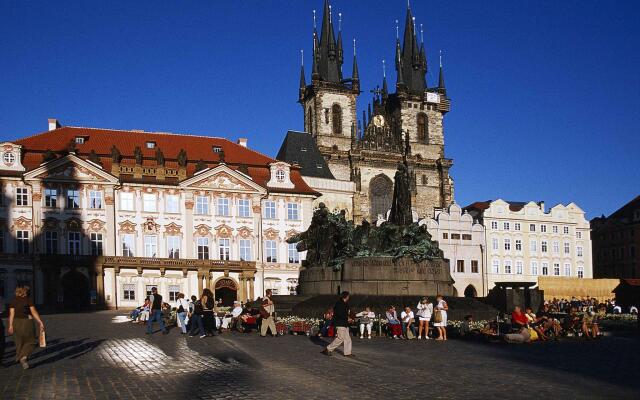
(524, 241)
(101, 216)
(462, 242)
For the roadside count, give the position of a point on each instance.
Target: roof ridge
(173, 134)
(148, 132)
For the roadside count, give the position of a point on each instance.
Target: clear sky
(545, 94)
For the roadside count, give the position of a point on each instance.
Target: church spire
(329, 54)
(303, 83)
(441, 88)
(411, 60)
(385, 89)
(355, 76)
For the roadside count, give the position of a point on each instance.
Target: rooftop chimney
(53, 124)
(242, 142)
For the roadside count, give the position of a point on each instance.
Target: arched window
(336, 117)
(423, 133)
(380, 196)
(310, 121)
(470, 291)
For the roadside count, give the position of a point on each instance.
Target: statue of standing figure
(401, 205)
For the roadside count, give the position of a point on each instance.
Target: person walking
(441, 321)
(266, 312)
(155, 312)
(208, 314)
(341, 322)
(22, 327)
(183, 309)
(195, 318)
(425, 310)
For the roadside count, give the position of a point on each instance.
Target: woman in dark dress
(208, 306)
(22, 327)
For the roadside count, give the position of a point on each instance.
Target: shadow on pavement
(57, 350)
(574, 356)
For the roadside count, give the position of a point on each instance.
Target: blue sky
(545, 94)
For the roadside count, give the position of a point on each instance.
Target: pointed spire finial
(408, 3)
(421, 34)
(440, 58)
(397, 31)
(330, 15)
(314, 19)
(354, 47)
(339, 22)
(414, 25)
(384, 69)
(302, 57)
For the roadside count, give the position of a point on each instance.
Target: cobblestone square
(102, 356)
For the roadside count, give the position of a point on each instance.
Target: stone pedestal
(380, 276)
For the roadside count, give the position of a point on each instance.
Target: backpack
(197, 308)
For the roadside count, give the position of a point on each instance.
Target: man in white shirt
(408, 318)
(231, 319)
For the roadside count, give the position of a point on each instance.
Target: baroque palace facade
(407, 124)
(100, 216)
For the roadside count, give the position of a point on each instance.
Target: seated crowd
(407, 325)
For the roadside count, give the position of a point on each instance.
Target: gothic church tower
(401, 127)
(329, 102)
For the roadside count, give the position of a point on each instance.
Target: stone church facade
(367, 151)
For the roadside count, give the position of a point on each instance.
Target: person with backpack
(266, 312)
(183, 308)
(155, 312)
(195, 318)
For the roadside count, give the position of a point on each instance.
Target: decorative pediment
(21, 223)
(291, 232)
(127, 227)
(71, 168)
(96, 225)
(202, 230)
(223, 231)
(150, 227)
(223, 178)
(173, 229)
(244, 232)
(271, 234)
(73, 224)
(51, 224)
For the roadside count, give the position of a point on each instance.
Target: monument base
(379, 276)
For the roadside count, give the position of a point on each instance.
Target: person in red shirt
(518, 318)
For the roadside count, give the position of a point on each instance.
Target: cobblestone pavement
(101, 356)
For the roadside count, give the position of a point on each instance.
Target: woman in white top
(366, 320)
(183, 308)
(442, 308)
(425, 310)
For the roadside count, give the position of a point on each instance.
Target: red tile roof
(196, 147)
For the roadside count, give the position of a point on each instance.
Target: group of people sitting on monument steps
(202, 316)
(524, 326)
(427, 320)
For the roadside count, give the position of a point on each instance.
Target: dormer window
(151, 145)
(280, 175)
(79, 140)
(8, 158)
(217, 149)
